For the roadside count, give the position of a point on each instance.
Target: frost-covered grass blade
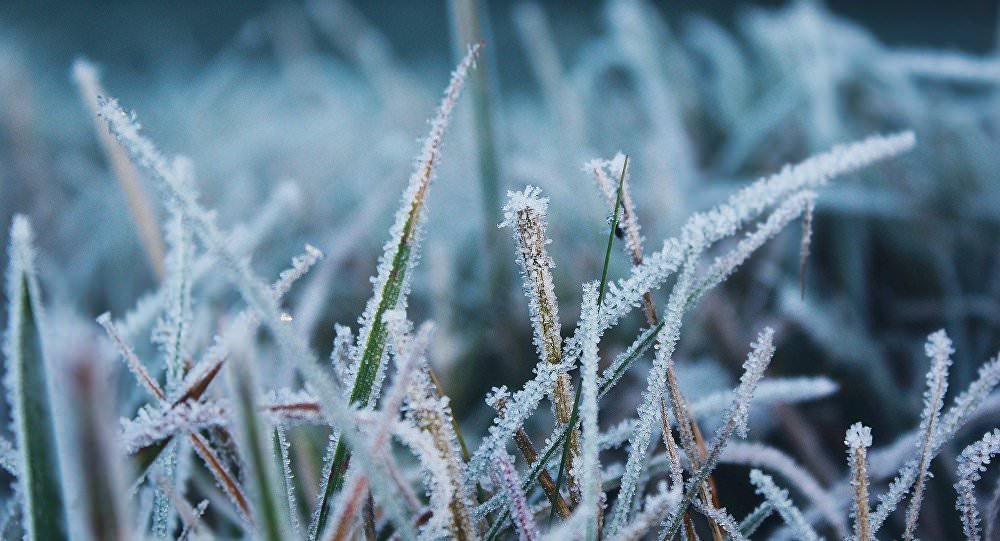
(27, 381)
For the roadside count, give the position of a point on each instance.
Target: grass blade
(27, 383)
(271, 517)
(600, 299)
(393, 279)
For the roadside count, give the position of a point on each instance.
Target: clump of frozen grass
(242, 433)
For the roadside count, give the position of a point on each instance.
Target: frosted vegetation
(680, 322)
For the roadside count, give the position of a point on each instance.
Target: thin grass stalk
(755, 518)
(526, 214)
(778, 498)
(735, 421)
(469, 24)
(971, 464)
(858, 440)
(939, 349)
(129, 180)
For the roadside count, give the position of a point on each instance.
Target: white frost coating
(962, 408)
(129, 356)
(300, 266)
(437, 479)
(724, 220)
(762, 456)
(657, 506)
(722, 518)
(778, 498)
(172, 329)
(426, 410)
(258, 296)
(724, 265)
(939, 350)
(286, 470)
(407, 360)
(21, 275)
(520, 511)
(608, 185)
(971, 463)
(589, 463)
(521, 405)
(858, 435)
(243, 239)
(735, 420)
(410, 212)
(772, 391)
(340, 355)
(152, 424)
(526, 214)
(858, 439)
(8, 457)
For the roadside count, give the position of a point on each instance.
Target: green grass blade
(611, 234)
(270, 515)
(39, 484)
(600, 299)
(392, 280)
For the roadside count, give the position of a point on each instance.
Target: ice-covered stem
(526, 214)
(95, 456)
(254, 291)
(971, 463)
(173, 327)
(523, 442)
(673, 457)
(765, 457)
(89, 85)
(590, 484)
(755, 518)
(39, 485)
(719, 515)
(939, 350)
(734, 422)
(725, 219)
(778, 498)
(629, 223)
(520, 510)
(282, 448)
(657, 506)
(858, 440)
(429, 411)
(804, 246)
(130, 358)
(199, 379)
(949, 423)
(399, 255)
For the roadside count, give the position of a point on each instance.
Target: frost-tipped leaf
(39, 484)
(393, 278)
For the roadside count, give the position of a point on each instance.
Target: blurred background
(303, 119)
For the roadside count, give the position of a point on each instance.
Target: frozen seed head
(858, 436)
